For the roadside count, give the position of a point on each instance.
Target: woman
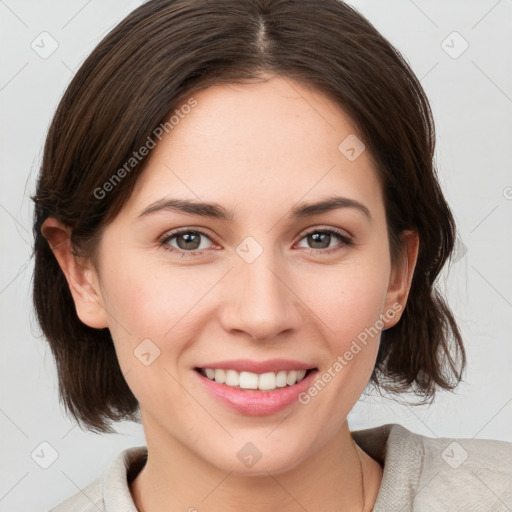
(238, 227)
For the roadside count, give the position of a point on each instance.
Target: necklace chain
(363, 493)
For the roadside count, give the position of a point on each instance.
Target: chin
(251, 461)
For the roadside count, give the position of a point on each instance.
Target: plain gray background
(470, 90)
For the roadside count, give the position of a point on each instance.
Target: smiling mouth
(249, 381)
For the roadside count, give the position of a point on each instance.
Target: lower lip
(257, 403)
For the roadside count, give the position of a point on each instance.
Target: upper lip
(247, 365)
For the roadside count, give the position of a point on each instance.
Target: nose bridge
(260, 303)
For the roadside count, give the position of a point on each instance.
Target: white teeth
(220, 376)
(267, 381)
(281, 379)
(291, 377)
(248, 380)
(232, 378)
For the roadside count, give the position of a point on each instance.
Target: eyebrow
(216, 211)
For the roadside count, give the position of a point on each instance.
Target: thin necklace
(362, 476)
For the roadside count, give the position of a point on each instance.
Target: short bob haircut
(133, 81)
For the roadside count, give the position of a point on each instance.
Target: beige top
(420, 475)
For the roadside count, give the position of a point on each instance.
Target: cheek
(151, 299)
(154, 318)
(351, 322)
(347, 298)
(160, 311)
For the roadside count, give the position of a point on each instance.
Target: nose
(258, 299)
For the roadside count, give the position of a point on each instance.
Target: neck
(176, 478)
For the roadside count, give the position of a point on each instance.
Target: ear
(401, 279)
(81, 276)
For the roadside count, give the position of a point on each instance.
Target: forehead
(270, 141)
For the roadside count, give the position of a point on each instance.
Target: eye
(188, 241)
(321, 240)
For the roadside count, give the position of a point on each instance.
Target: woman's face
(259, 284)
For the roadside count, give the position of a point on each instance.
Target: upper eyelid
(179, 231)
(337, 231)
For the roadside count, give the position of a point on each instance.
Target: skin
(275, 143)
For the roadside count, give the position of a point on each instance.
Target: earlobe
(80, 276)
(401, 278)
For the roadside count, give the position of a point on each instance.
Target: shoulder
(111, 490)
(438, 474)
(467, 473)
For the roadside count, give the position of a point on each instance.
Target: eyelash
(346, 241)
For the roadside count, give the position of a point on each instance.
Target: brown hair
(130, 84)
